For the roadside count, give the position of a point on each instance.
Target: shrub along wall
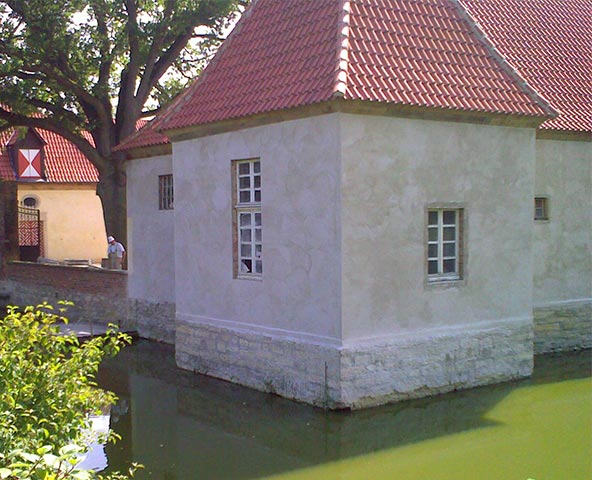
(99, 296)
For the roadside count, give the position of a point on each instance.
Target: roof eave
(359, 107)
(567, 135)
(149, 151)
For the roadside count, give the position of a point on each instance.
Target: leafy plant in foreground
(47, 393)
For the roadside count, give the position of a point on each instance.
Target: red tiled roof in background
(549, 43)
(145, 136)
(285, 54)
(6, 170)
(64, 163)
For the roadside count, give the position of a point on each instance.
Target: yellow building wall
(72, 216)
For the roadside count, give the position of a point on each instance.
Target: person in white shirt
(116, 253)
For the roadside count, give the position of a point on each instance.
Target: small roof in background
(549, 43)
(146, 136)
(6, 170)
(286, 54)
(64, 163)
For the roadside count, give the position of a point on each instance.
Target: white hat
(110, 239)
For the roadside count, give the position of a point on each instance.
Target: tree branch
(82, 143)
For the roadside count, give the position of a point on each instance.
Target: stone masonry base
(562, 327)
(361, 375)
(153, 320)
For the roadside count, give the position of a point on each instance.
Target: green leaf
(30, 457)
(5, 472)
(51, 460)
(71, 449)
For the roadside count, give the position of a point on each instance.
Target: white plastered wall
(392, 170)
(299, 295)
(562, 249)
(151, 234)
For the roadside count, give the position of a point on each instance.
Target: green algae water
(183, 426)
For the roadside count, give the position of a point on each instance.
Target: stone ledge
(563, 327)
(357, 377)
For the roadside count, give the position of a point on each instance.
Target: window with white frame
(165, 192)
(444, 249)
(541, 208)
(247, 219)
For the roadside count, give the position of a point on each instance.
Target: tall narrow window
(247, 219)
(444, 253)
(541, 208)
(165, 192)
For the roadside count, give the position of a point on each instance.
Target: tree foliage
(72, 66)
(47, 392)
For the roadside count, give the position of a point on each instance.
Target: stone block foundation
(153, 320)
(363, 374)
(563, 326)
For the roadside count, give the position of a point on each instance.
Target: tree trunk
(112, 192)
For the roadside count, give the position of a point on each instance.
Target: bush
(47, 393)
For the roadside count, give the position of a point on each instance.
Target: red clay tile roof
(64, 163)
(6, 170)
(549, 43)
(146, 136)
(285, 54)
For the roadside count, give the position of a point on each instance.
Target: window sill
(443, 283)
(242, 276)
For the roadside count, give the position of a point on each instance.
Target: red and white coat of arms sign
(29, 163)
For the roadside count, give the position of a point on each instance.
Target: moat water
(183, 426)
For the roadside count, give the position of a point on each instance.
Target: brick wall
(99, 296)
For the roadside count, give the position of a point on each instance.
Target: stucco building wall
(562, 246)
(403, 335)
(299, 294)
(72, 215)
(151, 266)
(393, 169)
(343, 316)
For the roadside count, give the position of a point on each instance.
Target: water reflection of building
(185, 426)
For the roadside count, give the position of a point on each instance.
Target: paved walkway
(89, 330)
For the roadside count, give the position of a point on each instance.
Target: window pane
(449, 217)
(257, 195)
(432, 234)
(245, 266)
(540, 210)
(433, 251)
(449, 249)
(243, 168)
(245, 219)
(432, 267)
(258, 266)
(257, 181)
(257, 251)
(449, 266)
(449, 233)
(257, 167)
(245, 235)
(246, 250)
(245, 182)
(257, 234)
(245, 197)
(258, 219)
(433, 218)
